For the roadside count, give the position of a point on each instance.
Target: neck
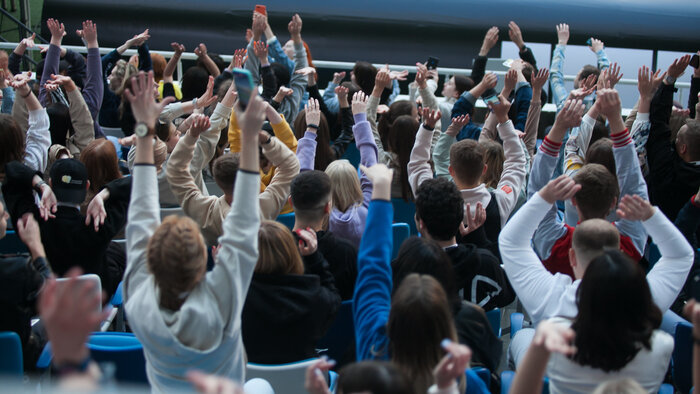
(303, 224)
(466, 186)
(446, 244)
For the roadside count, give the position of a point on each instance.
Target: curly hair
(441, 208)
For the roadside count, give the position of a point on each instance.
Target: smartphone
(244, 85)
(261, 9)
(695, 285)
(589, 42)
(695, 61)
(432, 63)
(492, 99)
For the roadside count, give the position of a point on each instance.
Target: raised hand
(490, 40)
(359, 103)
(342, 93)
(315, 382)
(563, 33)
(57, 31)
(177, 48)
(139, 39)
(613, 76)
(430, 117)
(382, 80)
(338, 77)
(421, 75)
(608, 103)
(258, 26)
(538, 80)
(648, 83)
(473, 221)
(510, 81)
(516, 35)
(489, 81)
(143, 103)
(48, 203)
(308, 244)
(555, 338)
(452, 365)
(310, 73)
(457, 125)
(570, 114)
(596, 45)
(398, 75)
(200, 123)
(261, 51)
(200, 50)
(237, 59)
(559, 189)
(313, 115)
(678, 66)
(96, 212)
(28, 42)
(500, 110)
(230, 96)
(88, 33)
(633, 207)
(282, 93)
(294, 28)
(380, 176)
(29, 233)
(60, 80)
(208, 98)
(19, 83)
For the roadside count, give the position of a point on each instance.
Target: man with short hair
(439, 215)
(311, 200)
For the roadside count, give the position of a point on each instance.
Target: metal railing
(334, 65)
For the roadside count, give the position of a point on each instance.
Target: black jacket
(284, 316)
(67, 240)
(671, 180)
(341, 256)
(479, 273)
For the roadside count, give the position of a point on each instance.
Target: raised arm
(364, 141)
(93, 90)
(53, 55)
(381, 82)
(144, 209)
(81, 120)
(203, 55)
(306, 150)
(490, 40)
(17, 55)
(533, 113)
(556, 76)
(275, 195)
(418, 165)
(346, 122)
(276, 50)
(372, 297)
(517, 37)
(38, 136)
(598, 47)
(290, 104)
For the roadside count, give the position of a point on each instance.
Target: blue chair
(117, 302)
(494, 317)
(666, 389)
(484, 374)
(507, 380)
(11, 244)
(405, 212)
(11, 361)
(352, 154)
(123, 350)
(287, 219)
(340, 337)
(516, 323)
(400, 232)
(682, 358)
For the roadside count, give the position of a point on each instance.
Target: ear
(572, 258)
(87, 186)
(419, 224)
(451, 171)
(486, 167)
(51, 184)
(573, 201)
(327, 208)
(614, 204)
(289, 200)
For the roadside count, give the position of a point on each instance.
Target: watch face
(141, 130)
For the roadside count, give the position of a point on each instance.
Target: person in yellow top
(282, 131)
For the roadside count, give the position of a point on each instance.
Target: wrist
(382, 191)
(36, 249)
(483, 51)
(296, 38)
(71, 361)
(264, 62)
(377, 91)
(70, 86)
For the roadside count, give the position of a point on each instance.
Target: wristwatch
(670, 80)
(141, 130)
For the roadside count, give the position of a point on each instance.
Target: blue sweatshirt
(372, 299)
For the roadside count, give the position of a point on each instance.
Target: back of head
(100, 159)
(401, 138)
(689, 135)
(421, 304)
(352, 88)
(585, 72)
(310, 192)
(224, 170)
(592, 237)
(365, 74)
(494, 157)
(441, 208)
(419, 255)
(194, 83)
(376, 377)
(620, 386)
(12, 140)
(345, 185)
(616, 314)
(528, 70)
(281, 74)
(463, 84)
(600, 130)
(324, 152)
(278, 253)
(601, 152)
(177, 258)
(397, 108)
(599, 191)
(159, 64)
(467, 161)
(123, 72)
(60, 125)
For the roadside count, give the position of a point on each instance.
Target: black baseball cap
(69, 181)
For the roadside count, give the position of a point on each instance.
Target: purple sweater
(351, 223)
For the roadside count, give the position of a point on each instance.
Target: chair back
(338, 343)
(682, 358)
(11, 360)
(284, 378)
(11, 244)
(287, 219)
(400, 232)
(352, 154)
(124, 351)
(494, 317)
(405, 212)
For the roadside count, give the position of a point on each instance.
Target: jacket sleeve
(53, 58)
(13, 63)
(306, 151)
(556, 76)
(330, 99)
(269, 83)
(116, 206)
(418, 165)
(372, 297)
(93, 91)
(17, 191)
(233, 271)
(603, 61)
(144, 219)
(206, 144)
(514, 171)
(8, 99)
(278, 54)
(660, 152)
(527, 55)
(631, 181)
(532, 124)
(479, 69)
(287, 168)
(523, 96)
(489, 131)
(82, 124)
(372, 104)
(441, 155)
(38, 140)
(290, 104)
(252, 63)
(193, 202)
(368, 153)
(145, 62)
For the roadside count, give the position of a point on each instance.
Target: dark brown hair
(12, 141)
(599, 190)
(100, 159)
(224, 170)
(324, 153)
(401, 138)
(601, 152)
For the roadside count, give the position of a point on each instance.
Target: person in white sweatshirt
(185, 317)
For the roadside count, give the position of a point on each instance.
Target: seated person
(311, 199)
(71, 239)
(291, 301)
(478, 273)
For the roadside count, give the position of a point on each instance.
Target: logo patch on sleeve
(507, 189)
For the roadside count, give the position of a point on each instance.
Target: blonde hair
(278, 253)
(160, 153)
(493, 158)
(124, 72)
(345, 185)
(177, 258)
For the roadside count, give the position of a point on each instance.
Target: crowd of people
(565, 226)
